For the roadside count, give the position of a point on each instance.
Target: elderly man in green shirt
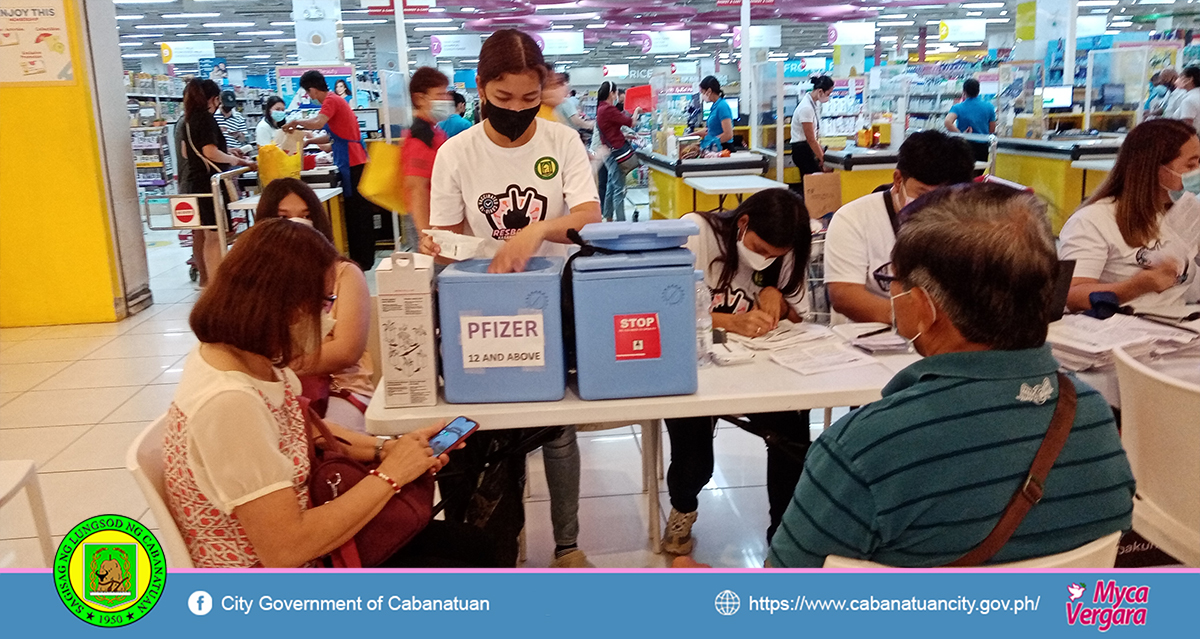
(921, 477)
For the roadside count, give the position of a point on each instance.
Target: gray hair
(985, 254)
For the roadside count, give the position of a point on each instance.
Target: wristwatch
(379, 442)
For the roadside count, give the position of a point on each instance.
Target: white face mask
(305, 342)
(750, 258)
(901, 197)
(301, 220)
(441, 110)
(912, 343)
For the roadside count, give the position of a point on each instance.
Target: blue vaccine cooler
(502, 333)
(635, 312)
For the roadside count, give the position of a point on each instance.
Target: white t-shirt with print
(233, 438)
(806, 111)
(499, 191)
(1092, 238)
(743, 292)
(859, 241)
(1189, 108)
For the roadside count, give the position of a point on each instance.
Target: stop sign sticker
(185, 211)
(637, 336)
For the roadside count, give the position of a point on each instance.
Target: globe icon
(727, 602)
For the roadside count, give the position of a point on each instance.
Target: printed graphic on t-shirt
(731, 301)
(1149, 256)
(512, 210)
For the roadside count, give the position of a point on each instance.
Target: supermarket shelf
(149, 165)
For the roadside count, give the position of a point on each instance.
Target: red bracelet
(395, 486)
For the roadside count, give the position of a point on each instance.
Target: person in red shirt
(430, 90)
(609, 120)
(340, 124)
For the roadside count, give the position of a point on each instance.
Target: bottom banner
(663, 603)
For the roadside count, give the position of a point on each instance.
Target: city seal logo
(110, 571)
(546, 168)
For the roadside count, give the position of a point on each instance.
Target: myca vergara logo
(1111, 605)
(110, 570)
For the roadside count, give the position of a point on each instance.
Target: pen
(875, 332)
(1171, 324)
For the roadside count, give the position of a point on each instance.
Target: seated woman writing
(341, 369)
(236, 446)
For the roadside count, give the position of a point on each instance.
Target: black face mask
(507, 122)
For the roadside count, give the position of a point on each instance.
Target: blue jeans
(410, 239)
(561, 459)
(613, 206)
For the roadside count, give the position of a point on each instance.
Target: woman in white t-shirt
(521, 182)
(1189, 107)
(807, 152)
(235, 447)
(754, 261)
(1121, 239)
(274, 113)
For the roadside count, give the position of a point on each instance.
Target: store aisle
(72, 398)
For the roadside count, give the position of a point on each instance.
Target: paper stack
(1082, 343)
(786, 335)
(821, 358)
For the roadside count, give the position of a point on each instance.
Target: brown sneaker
(677, 539)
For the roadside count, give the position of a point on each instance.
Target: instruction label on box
(503, 341)
(637, 336)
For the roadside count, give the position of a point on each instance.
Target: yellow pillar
(58, 264)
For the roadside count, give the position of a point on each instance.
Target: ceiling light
(910, 46)
(142, 1)
(619, 44)
(970, 44)
(428, 20)
(433, 10)
(475, 61)
(1099, 3)
(197, 35)
(232, 41)
(140, 55)
(898, 16)
(897, 23)
(188, 16)
(888, 39)
(130, 44)
(258, 57)
(715, 41)
(1100, 11)
(972, 14)
(561, 26)
(227, 25)
(260, 33)
(181, 25)
(131, 17)
(280, 40)
(144, 35)
(236, 66)
(283, 24)
(426, 29)
(598, 25)
(561, 5)
(418, 48)
(983, 5)
(372, 21)
(571, 16)
(1119, 25)
(997, 20)
(293, 55)
(1156, 1)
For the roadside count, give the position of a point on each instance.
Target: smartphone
(454, 432)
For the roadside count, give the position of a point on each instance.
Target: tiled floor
(73, 398)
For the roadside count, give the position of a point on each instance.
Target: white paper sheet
(821, 358)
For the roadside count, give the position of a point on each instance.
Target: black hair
(1193, 74)
(971, 88)
(822, 82)
(711, 83)
(936, 159)
(313, 79)
(458, 98)
(566, 76)
(196, 95)
(270, 102)
(779, 217)
(606, 89)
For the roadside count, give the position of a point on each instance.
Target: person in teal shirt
(456, 123)
(973, 114)
(922, 476)
(719, 127)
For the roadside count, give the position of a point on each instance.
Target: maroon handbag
(334, 472)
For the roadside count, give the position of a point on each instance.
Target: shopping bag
(382, 181)
(822, 194)
(273, 164)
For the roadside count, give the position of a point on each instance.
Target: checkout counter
(863, 170)
(671, 197)
(1051, 168)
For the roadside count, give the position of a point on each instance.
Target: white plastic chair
(1160, 428)
(145, 461)
(22, 473)
(1101, 553)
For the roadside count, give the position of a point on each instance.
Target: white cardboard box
(404, 282)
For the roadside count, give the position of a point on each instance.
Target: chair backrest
(145, 461)
(1160, 429)
(1101, 553)
(373, 343)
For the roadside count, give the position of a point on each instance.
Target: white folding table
(722, 185)
(759, 387)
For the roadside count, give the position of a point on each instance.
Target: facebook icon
(200, 603)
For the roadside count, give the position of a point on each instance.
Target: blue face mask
(278, 116)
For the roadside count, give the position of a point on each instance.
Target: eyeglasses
(884, 276)
(330, 299)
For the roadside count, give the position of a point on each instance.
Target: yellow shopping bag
(382, 180)
(274, 163)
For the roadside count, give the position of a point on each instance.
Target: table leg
(694, 205)
(337, 218)
(1083, 189)
(721, 202)
(651, 447)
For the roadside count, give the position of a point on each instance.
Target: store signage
(34, 45)
(616, 70)
(185, 211)
(761, 37)
(455, 46)
(738, 3)
(962, 30)
(1088, 26)
(186, 51)
(1027, 20)
(847, 33)
(502, 341)
(637, 336)
(388, 8)
(559, 42)
(685, 68)
(289, 84)
(667, 42)
(214, 69)
(804, 66)
(317, 39)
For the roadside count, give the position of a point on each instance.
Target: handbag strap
(187, 129)
(1034, 485)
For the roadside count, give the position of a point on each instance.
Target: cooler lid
(639, 236)
(473, 271)
(631, 261)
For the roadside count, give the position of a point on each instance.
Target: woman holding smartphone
(521, 183)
